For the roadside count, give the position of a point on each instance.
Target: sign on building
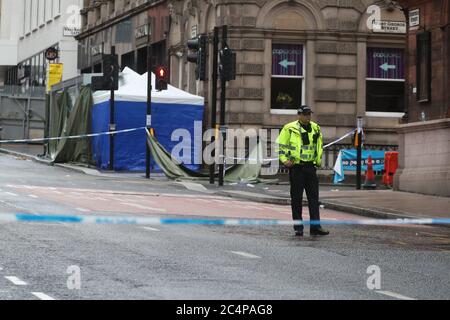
(194, 31)
(54, 74)
(71, 31)
(141, 31)
(385, 63)
(96, 49)
(287, 60)
(381, 26)
(414, 18)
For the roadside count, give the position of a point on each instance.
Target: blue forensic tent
(172, 109)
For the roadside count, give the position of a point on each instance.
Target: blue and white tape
(74, 137)
(340, 139)
(130, 220)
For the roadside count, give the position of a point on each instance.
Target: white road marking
(1, 269)
(150, 229)
(42, 296)
(32, 196)
(395, 295)
(16, 281)
(57, 192)
(143, 207)
(12, 194)
(83, 210)
(245, 254)
(193, 186)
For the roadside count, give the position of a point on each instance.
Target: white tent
(133, 88)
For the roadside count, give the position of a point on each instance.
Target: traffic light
(111, 71)
(198, 56)
(110, 78)
(162, 76)
(227, 64)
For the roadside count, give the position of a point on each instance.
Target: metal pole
(149, 100)
(214, 99)
(222, 111)
(111, 122)
(359, 154)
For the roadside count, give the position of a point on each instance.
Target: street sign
(71, 31)
(385, 63)
(287, 60)
(414, 18)
(389, 26)
(51, 54)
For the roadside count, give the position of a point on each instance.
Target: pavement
(382, 203)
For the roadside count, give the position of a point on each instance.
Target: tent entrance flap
(246, 172)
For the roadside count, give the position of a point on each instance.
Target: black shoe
(299, 233)
(319, 232)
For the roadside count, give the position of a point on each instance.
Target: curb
(24, 155)
(269, 200)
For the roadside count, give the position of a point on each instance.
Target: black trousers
(304, 177)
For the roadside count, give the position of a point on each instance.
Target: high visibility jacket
(292, 145)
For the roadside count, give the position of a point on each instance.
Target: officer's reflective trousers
(304, 177)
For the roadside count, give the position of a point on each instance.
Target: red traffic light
(161, 72)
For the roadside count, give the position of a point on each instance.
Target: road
(70, 261)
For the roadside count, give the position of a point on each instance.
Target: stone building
(424, 141)
(344, 58)
(125, 25)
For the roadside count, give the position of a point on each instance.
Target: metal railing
(23, 91)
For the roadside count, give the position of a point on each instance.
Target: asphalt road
(68, 261)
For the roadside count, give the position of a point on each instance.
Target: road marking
(245, 254)
(16, 281)
(193, 186)
(33, 196)
(57, 192)
(150, 229)
(98, 198)
(83, 210)
(395, 295)
(12, 194)
(42, 296)
(143, 207)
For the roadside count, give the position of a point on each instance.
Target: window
(34, 14)
(288, 83)
(56, 8)
(424, 66)
(48, 10)
(385, 82)
(27, 16)
(41, 15)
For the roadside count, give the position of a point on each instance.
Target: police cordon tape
(276, 159)
(340, 139)
(73, 137)
(130, 220)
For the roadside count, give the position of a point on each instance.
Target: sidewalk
(383, 204)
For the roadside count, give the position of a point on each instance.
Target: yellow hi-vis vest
(291, 145)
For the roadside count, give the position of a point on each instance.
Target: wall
(335, 36)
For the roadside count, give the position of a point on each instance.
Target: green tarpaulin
(245, 173)
(68, 120)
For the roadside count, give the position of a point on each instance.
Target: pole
(112, 126)
(214, 99)
(222, 111)
(149, 100)
(359, 154)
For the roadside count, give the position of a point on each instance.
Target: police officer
(300, 144)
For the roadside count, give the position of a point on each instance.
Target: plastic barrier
(390, 167)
